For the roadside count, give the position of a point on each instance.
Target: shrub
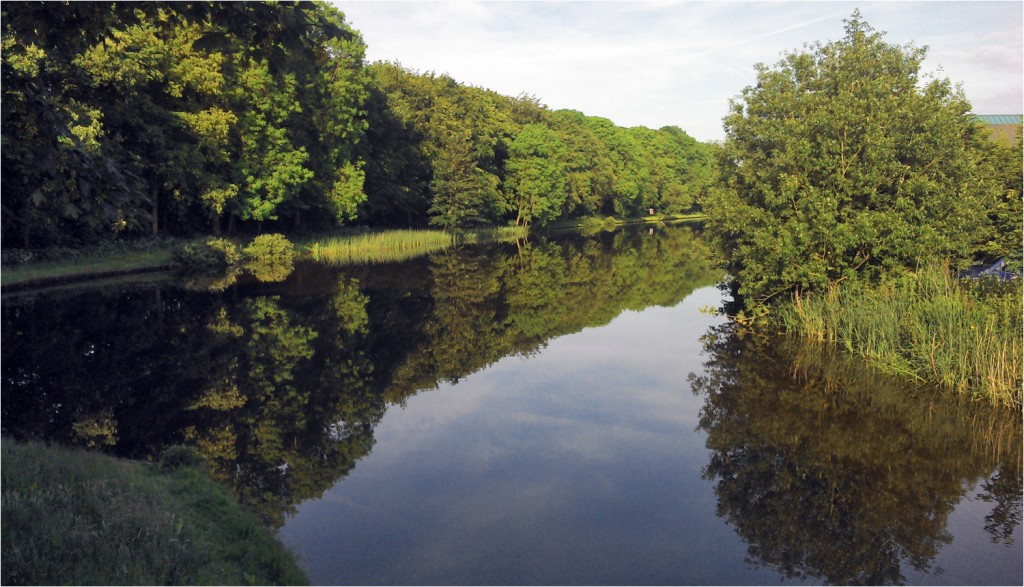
(213, 255)
(270, 257)
(271, 248)
(179, 456)
(840, 164)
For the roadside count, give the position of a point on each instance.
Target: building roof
(996, 119)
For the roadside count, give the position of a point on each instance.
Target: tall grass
(380, 247)
(400, 245)
(75, 517)
(928, 325)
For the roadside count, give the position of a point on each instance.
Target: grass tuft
(400, 245)
(962, 335)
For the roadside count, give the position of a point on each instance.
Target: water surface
(553, 411)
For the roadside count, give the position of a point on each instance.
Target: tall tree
(842, 161)
(536, 174)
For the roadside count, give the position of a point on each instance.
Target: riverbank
(962, 335)
(31, 269)
(23, 270)
(79, 517)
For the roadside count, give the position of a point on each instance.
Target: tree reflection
(834, 474)
(280, 385)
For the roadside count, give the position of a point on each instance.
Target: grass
(400, 245)
(89, 263)
(76, 517)
(927, 325)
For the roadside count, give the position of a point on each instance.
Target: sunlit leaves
(843, 161)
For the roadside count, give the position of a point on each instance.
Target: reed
(400, 245)
(380, 247)
(928, 325)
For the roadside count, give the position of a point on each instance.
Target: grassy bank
(75, 517)
(399, 245)
(962, 335)
(69, 265)
(32, 269)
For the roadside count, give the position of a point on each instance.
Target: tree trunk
(156, 210)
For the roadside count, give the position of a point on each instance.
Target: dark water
(552, 412)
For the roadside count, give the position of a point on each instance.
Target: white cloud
(662, 63)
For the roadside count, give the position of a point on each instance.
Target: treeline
(461, 156)
(154, 118)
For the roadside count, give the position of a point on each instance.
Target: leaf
(37, 198)
(72, 211)
(212, 41)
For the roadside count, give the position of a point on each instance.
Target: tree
(536, 172)
(843, 163)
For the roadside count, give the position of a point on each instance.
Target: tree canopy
(843, 161)
(133, 119)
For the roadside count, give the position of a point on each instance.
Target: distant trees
(497, 159)
(132, 119)
(843, 163)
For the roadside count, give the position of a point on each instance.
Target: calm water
(553, 412)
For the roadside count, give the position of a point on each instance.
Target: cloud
(675, 63)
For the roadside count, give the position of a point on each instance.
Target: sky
(666, 63)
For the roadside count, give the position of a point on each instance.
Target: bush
(839, 165)
(270, 248)
(269, 257)
(214, 255)
(179, 456)
(15, 256)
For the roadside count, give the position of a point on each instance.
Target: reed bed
(400, 245)
(381, 247)
(964, 336)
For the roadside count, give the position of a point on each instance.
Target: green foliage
(536, 175)
(844, 163)
(212, 255)
(269, 257)
(805, 443)
(382, 247)
(74, 517)
(926, 325)
(457, 156)
(179, 456)
(269, 248)
(187, 115)
(1002, 236)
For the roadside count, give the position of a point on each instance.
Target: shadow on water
(280, 385)
(831, 473)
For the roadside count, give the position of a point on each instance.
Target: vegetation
(449, 155)
(842, 173)
(812, 454)
(28, 268)
(301, 373)
(843, 164)
(77, 517)
(927, 325)
(126, 120)
(381, 247)
(399, 245)
(212, 255)
(269, 257)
